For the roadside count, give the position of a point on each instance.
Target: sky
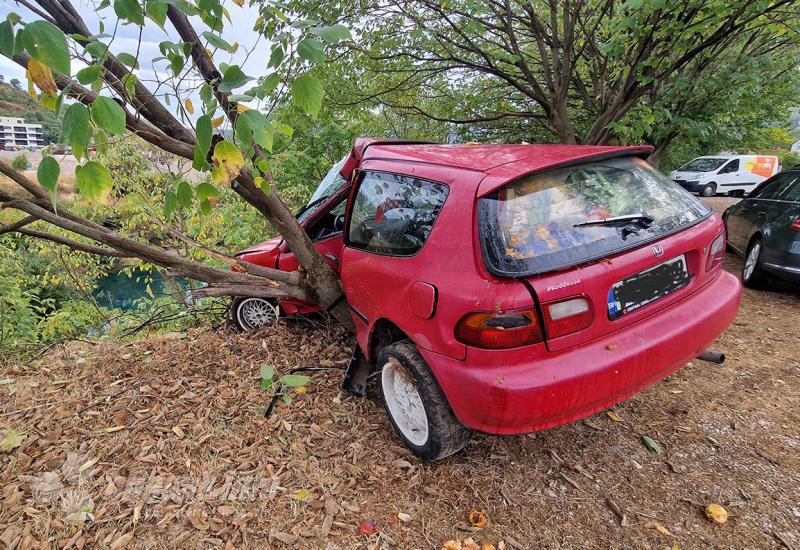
(127, 37)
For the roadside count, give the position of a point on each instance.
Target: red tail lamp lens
(795, 224)
(716, 253)
(499, 330)
(567, 316)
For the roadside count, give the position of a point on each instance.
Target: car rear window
(529, 226)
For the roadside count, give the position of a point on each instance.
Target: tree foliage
(231, 139)
(566, 71)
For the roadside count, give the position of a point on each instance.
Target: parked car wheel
(250, 313)
(415, 404)
(709, 190)
(753, 276)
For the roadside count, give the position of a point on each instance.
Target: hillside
(16, 102)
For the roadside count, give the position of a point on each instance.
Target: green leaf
(47, 43)
(93, 180)
(266, 383)
(307, 93)
(89, 74)
(207, 191)
(203, 132)
(75, 128)
(47, 173)
(270, 82)
(267, 372)
(157, 11)
(11, 440)
(233, 78)
(170, 203)
(7, 39)
(240, 98)
(108, 115)
(217, 41)
(287, 398)
(206, 94)
(130, 10)
(331, 34)
(294, 380)
(276, 57)
(651, 445)
(128, 60)
(252, 125)
(185, 194)
(101, 141)
(97, 50)
(311, 49)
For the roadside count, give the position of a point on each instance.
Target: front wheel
(250, 313)
(709, 190)
(416, 406)
(753, 276)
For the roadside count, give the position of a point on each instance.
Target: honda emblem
(658, 250)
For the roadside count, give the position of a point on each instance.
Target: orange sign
(763, 166)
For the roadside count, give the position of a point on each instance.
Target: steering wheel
(338, 223)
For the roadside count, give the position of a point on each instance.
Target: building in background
(14, 131)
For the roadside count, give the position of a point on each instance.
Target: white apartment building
(14, 131)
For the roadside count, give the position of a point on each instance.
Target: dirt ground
(164, 443)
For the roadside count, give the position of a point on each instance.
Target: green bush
(20, 162)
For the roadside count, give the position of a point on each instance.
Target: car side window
(731, 167)
(792, 191)
(394, 214)
(776, 187)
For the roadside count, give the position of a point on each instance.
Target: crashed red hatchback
(510, 288)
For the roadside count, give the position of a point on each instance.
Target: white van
(734, 175)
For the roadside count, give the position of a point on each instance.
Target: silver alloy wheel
(404, 402)
(752, 260)
(256, 312)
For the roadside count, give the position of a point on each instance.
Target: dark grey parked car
(764, 227)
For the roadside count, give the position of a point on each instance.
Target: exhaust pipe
(712, 357)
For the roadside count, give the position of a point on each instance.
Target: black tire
(709, 190)
(445, 434)
(757, 277)
(240, 321)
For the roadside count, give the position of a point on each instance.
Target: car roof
(501, 163)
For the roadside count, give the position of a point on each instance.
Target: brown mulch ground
(163, 443)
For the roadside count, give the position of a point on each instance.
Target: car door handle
(332, 258)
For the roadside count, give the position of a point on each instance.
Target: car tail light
(567, 316)
(499, 330)
(795, 224)
(716, 253)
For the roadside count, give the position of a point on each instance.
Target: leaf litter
(179, 453)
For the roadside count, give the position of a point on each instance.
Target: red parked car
(510, 288)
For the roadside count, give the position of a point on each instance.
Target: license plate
(631, 293)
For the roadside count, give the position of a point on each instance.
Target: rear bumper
(506, 392)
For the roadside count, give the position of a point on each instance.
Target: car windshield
(330, 184)
(703, 164)
(539, 223)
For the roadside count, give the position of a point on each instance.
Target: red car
(510, 288)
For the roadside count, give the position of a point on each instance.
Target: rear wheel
(415, 404)
(250, 313)
(709, 190)
(753, 276)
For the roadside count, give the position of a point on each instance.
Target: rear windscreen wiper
(618, 220)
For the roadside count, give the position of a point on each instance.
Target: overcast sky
(127, 36)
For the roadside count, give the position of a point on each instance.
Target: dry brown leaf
(42, 76)
(716, 513)
(657, 526)
(122, 541)
(478, 519)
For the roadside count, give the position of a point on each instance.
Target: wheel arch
(383, 333)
